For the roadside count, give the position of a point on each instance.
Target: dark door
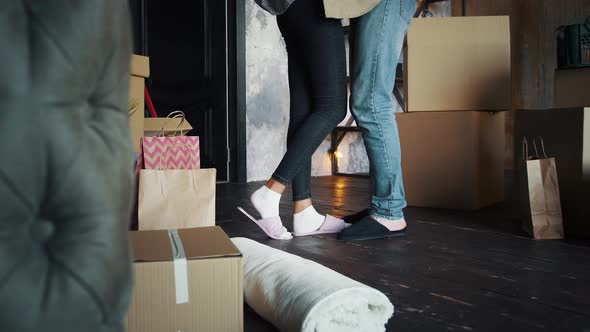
(186, 42)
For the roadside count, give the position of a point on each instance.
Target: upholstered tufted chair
(65, 165)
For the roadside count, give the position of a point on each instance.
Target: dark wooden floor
(454, 271)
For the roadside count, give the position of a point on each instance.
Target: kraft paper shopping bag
(176, 199)
(540, 198)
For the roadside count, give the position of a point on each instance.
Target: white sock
(266, 202)
(392, 225)
(307, 221)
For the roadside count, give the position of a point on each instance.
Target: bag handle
(179, 127)
(542, 146)
(174, 115)
(525, 149)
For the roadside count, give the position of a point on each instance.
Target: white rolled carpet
(296, 294)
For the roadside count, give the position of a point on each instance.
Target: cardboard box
(140, 70)
(453, 160)
(209, 281)
(571, 87)
(458, 64)
(566, 136)
(169, 126)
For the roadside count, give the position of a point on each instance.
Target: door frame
(236, 92)
(235, 36)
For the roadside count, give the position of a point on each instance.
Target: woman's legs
(299, 110)
(317, 80)
(305, 219)
(317, 43)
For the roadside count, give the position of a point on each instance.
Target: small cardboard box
(167, 126)
(452, 160)
(566, 137)
(201, 293)
(571, 87)
(458, 64)
(140, 70)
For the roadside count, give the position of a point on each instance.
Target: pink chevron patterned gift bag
(177, 152)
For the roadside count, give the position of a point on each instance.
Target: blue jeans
(376, 43)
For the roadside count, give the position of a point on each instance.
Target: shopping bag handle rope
(174, 115)
(542, 146)
(525, 148)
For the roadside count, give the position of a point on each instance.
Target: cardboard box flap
(198, 243)
(140, 65)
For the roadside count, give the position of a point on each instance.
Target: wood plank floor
(454, 271)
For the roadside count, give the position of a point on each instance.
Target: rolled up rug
(296, 294)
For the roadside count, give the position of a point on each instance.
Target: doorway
(196, 56)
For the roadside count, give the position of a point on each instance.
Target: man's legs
(377, 40)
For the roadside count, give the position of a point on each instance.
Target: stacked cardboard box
(452, 160)
(138, 124)
(456, 72)
(140, 70)
(186, 280)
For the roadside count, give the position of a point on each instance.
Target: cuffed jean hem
(301, 197)
(280, 179)
(395, 216)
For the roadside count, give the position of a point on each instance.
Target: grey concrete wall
(267, 93)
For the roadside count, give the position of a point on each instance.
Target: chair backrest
(66, 158)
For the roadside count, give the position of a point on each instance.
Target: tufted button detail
(42, 231)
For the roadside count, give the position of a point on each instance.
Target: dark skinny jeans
(317, 85)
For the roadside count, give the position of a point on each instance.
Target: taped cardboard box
(165, 126)
(452, 160)
(566, 136)
(201, 292)
(571, 87)
(458, 64)
(140, 70)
